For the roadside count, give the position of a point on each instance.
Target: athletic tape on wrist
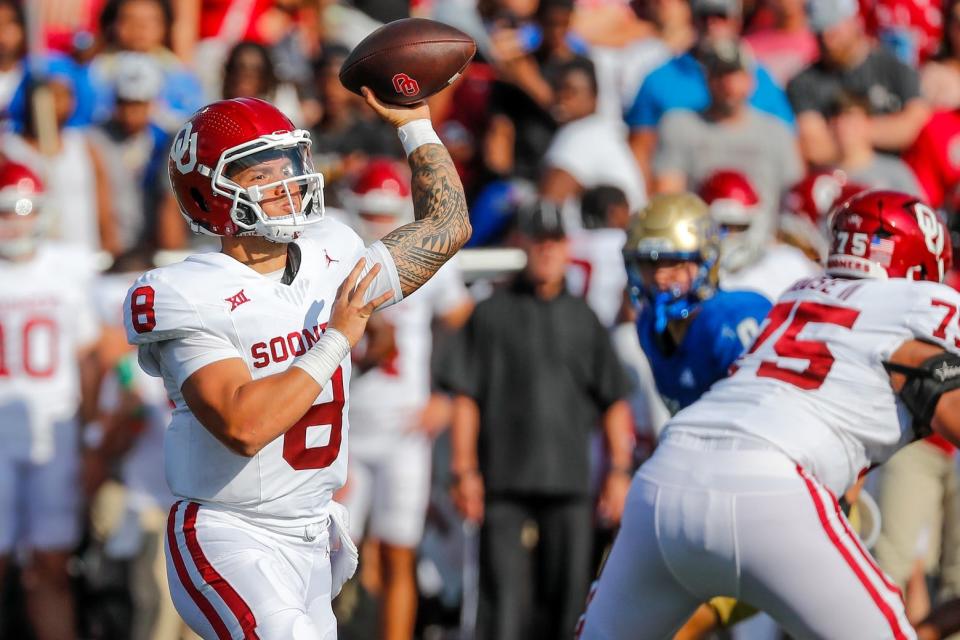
(322, 359)
(416, 134)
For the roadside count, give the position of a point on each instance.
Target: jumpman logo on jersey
(237, 299)
(329, 259)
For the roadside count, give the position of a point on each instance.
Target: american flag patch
(881, 250)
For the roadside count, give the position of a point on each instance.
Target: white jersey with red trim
(814, 385)
(45, 318)
(211, 307)
(388, 397)
(596, 272)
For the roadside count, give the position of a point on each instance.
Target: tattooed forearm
(442, 224)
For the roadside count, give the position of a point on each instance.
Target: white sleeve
(155, 310)
(180, 358)
(388, 280)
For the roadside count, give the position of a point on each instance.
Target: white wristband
(322, 359)
(417, 133)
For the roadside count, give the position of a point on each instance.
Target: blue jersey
(726, 324)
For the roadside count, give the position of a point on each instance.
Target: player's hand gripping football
(396, 115)
(350, 313)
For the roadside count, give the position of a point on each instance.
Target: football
(408, 60)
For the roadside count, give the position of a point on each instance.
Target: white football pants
(732, 517)
(230, 579)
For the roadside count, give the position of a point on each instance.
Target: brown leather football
(408, 60)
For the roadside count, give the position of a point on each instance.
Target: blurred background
(574, 114)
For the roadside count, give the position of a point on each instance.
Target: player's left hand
(612, 498)
(394, 114)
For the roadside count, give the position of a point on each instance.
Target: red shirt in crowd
(935, 157)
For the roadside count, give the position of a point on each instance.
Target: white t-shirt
(596, 272)
(621, 71)
(211, 307)
(814, 384)
(595, 152)
(46, 316)
(388, 398)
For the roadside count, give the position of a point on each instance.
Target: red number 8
(141, 309)
(295, 450)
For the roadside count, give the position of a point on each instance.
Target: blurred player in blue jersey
(690, 330)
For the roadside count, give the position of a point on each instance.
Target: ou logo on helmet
(183, 151)
(405, 85)
(932, 230)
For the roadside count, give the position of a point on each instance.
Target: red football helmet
(21, 219)
(381, 198)
(736, 209)
(888, 234)
(803, 217)
(235, 158)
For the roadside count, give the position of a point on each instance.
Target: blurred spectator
(621, 69)
(536, 374)
(137, 174)
(13, 49)
(249, 72)
(940, 77)
(788, 46)
(681, 82)
(849, 120)
(47, 392)
(596, 271)
(346, 134)
(77, 198)
(53, 65)
(751, 258)
(384, 10)
(730, 133)
(848, 61)
(588, 150)
(935, 159)
(521, 125)
(393, 415)
(143, 26)
(911, 29)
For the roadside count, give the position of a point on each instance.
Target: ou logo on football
(405, 85)
(183, 151)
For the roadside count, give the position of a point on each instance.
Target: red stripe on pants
(212, 577)
(202, 603)
(851, 562)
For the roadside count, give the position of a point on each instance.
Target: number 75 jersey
(211, 307)
(813, 383)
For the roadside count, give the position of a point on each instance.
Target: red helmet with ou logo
(239, 167)
(803, 217)
(383, 189)
(21, 199)
(731, 197)
(888, 234)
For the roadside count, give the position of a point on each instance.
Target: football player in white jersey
(392, 412)
(739, 499)
(253, 345)
(47, 333)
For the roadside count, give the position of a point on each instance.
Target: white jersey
(778, 268)
(387, 397)
(211, 307)
(45, 319)
(142, 468)
(813, 384)
(596, 272)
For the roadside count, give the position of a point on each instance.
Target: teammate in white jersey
(253, 345)
(392, 412)
(47, 333)
(739, 498)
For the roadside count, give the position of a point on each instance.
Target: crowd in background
(574, 114)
